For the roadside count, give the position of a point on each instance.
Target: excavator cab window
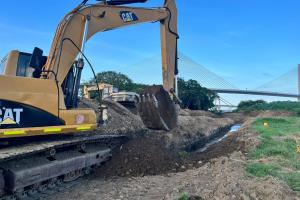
(68, 86)
(2, 65)
(23, 62)
(30, 65)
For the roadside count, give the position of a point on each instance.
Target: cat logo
(10, 116)
(128, 16)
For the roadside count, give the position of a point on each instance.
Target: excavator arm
(156, 107)
(83, 22)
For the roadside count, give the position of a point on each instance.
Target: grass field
(290, 106)
(278, 154)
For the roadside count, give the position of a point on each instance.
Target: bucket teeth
(154, 100)
(157, 109)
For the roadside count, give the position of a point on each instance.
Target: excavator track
(30, 171)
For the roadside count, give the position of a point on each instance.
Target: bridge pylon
(298, 81)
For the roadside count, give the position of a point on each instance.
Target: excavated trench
(213, 138)
(148, 156)
(218, 138)
(158, 152)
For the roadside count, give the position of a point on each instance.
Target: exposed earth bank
(159, 165)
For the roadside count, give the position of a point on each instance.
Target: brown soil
(153, 165)
(193, 126)
(121, 120)
(145, 156)
(216, 174)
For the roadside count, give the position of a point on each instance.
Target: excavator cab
(23, 64)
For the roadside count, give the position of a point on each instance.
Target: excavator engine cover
(157, 110)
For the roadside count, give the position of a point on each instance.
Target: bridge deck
(253, 92)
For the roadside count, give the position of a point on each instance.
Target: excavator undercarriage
(29, 168)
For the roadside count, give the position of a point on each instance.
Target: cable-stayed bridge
(254, 92)
(286, 85)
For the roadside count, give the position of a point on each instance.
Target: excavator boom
(83, 22)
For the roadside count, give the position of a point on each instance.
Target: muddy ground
(157, 165)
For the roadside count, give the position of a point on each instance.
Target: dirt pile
(140, 157)
(194, 127)
(121, 121)
(152, 152)
(146, 156)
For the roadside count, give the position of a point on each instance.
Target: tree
(118, 80)
(195, 97)
(191, 93)
(138, 87)
(247, 105)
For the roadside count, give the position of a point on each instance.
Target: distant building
(90, 91)
(109, 92)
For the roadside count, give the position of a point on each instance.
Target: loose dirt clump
(120, 120)
(140, 157)
(146, 156)
(194, 128)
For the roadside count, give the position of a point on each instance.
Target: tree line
(191, 93)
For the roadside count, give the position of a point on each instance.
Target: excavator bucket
(157, 110)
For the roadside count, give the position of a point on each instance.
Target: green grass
(269, 147)
(278, 147)
(184, 197)
(277, 126)
(261, 170)
(183, 154)
(292, 179)
(277, 106)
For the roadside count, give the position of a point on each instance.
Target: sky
(247, 42)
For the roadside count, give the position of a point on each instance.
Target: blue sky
(247, 42)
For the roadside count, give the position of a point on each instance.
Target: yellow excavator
(39, 96)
